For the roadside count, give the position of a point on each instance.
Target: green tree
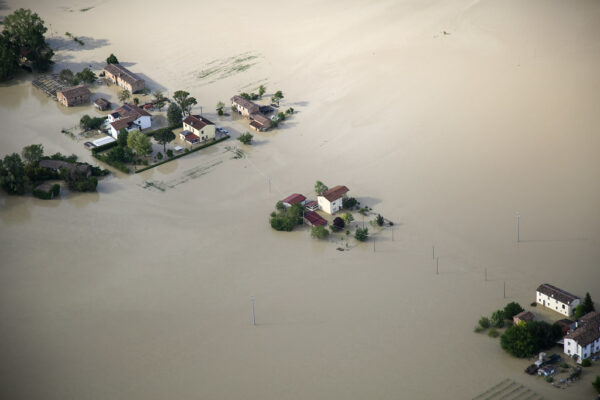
(32, 154)
(174, 115)
(122, 137)
(277, 96)
(497, 319)
(87, 75)
(136, 101)
(164, 136)
(348, 218)
(512, 309)
(524, 340)
(588, 304)
(261, 90)
(8, 57)
(220, 106)
(518, 341)
(579, 311)
(159, 100)
(246, 138)
(12, 174)
(319, 232)
(124, 95)
(379, 220)
(361, 234)
(112, 59)
(66, 75)
(320, 188)
(596, 384)
(139, 142)
(26, 31)
(184, 101)
(484, 322)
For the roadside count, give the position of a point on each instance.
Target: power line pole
(437, 266)
(504, 289)
(253, 315)
(433, 252)
(518, 223)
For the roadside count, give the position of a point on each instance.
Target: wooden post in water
(253, 315)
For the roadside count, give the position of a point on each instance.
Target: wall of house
(555, 305)
(208, 132)
(329, 207)
(144, 121)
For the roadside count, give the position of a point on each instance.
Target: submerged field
(142, 290)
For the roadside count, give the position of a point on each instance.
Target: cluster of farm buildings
(196, 128)
(330, 202)
(130, 117)
(581, 338)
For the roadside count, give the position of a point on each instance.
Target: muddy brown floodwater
(142, 290)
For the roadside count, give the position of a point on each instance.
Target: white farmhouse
(585, 340)
(556, 299)
(331, 200)
(129, 117)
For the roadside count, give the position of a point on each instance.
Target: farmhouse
(523, 316)
(102, 104)
(129, 117)
(121, 76)
(73, 96)
(557, 299)
(585, 340)
(314, 219)
(199, 126)
(56, 165)
(243, 106)
(260, 122)
(331, 200)
(294, 199)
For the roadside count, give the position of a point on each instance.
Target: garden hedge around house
(116, 164)
(183, 154)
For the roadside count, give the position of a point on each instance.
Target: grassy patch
(224, 68)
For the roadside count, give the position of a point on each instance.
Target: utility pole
(253, 315)
(504, 289)
(433, 252)
(518, 223)
(437, 266)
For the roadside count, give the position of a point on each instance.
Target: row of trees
(22, 42)
(86, 76)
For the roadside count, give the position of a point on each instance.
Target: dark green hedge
(183, 154)
(117, 164)
(106, 146)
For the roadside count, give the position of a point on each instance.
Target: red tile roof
(294, 198)
(314, 219)
(126, 122)
(197, 121)
(190, 137)
(127, 110)
(123, 73)
(335, 192)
